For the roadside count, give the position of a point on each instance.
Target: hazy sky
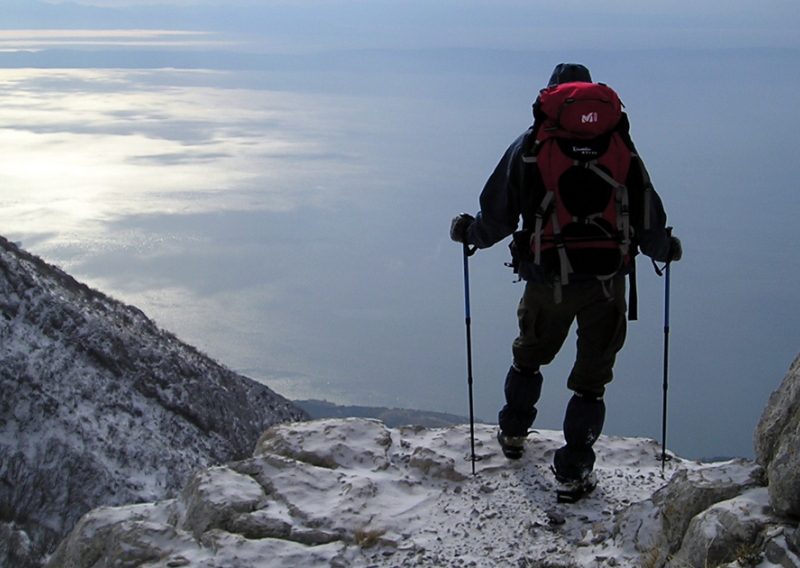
(283, 204)
(515, 24)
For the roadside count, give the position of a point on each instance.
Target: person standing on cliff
(587, 208)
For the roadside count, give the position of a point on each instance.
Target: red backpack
(582, 224)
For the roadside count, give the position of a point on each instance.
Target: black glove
(459, 227)
(675, 249)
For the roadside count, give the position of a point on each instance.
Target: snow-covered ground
(342, 493)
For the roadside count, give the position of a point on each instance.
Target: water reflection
(260, 225)
(87, 146)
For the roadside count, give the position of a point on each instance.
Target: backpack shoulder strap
(623, 129)
(531, 185)
(531, 146)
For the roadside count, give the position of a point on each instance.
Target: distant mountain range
(392, 417)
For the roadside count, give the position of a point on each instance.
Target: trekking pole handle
(665, 268)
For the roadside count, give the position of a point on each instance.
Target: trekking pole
(468, 319)
(664, 457)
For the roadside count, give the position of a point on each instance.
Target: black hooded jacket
(515, 188)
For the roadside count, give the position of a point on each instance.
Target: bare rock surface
(777, 443)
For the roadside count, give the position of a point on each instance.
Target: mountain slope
(100, 407)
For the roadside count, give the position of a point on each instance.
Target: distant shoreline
(392, 417)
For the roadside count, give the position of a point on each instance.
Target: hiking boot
(573, 490)
(512, 446)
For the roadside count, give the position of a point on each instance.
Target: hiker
(574, 263)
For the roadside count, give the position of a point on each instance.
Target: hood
(569, 73)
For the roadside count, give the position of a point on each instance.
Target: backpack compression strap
(537, 235)
(623, 207)
(545, 210)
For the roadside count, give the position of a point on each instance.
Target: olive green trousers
(544, 324)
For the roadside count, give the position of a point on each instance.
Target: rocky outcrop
(298, 490)
(689, 493)
(100, 407)
(353, 493)
(662, 526)
(777, 444)
(732, 522)
(784, 548)
(707, 518)
(727, 531)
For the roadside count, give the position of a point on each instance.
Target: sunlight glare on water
(87, 146)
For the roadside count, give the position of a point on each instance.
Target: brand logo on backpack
(580, 110)
(581, 226)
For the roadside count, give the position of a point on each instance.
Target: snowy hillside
(354, 493)
(100, 407)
